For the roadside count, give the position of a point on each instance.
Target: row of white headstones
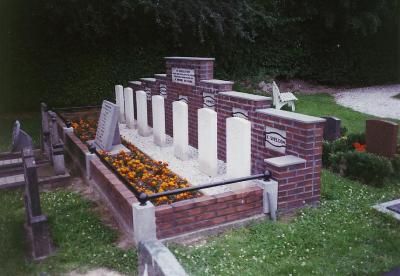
(238, 131)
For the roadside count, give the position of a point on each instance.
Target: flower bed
(138, 169)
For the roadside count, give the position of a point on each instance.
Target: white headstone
(129, 107)
(238, 149)
(107, 133)
(207, 141)
(119, 100)
(180, 129)
(158, 120)
(141, 106)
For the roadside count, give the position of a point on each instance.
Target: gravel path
(375, 100)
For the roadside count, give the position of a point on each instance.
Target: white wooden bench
(280, 99)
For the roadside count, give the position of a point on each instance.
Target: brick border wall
(172, 220)
(207, 211)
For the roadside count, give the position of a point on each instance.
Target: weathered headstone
(37, 226)
(142, 120)
(207, 142)
(129, 107)
(332, 128)
(158, 120)
(119, 100)
(381, 137)
(44, 126)
(180, 129)
(238, 149)
(20, 139)
(107, 134)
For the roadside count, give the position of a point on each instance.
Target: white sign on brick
(141, 106)
(163, 90)
(207, 141)
(180, 129)
(209, 100)
(183, 76)
(275, 139)
(129, 107)
(119, 100)
(238, 149)
(158, 120)
(148, 93)
(240, 112)
(184, 99)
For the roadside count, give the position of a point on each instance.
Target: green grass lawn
(344, 236)
(325, 105)
(81, 239)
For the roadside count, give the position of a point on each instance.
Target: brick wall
(207, 211)
(304, 138)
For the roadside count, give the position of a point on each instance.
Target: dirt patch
(95, 272)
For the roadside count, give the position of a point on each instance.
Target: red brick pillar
(232, 103)
(297, 165)
(193, 71)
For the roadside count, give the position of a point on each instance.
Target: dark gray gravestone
(107, 134)
(37, 226)
(395, 208)
(20, 139)
(381, 137)
(44, 126)
(332, 128)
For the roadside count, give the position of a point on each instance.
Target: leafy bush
(355, 138)
(366, 167)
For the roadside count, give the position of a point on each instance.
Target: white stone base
(383, 208)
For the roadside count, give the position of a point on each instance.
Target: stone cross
(180, 129)
(332, 128)
(238, 149)
(207, 141)
(158, 120)
(381, 137)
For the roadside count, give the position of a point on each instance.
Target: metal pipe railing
(143, 197)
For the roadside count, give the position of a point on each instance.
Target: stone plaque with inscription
(275, 139)
(240, 112)
(209, 100)
(107, 134)
(183, 76)
(381, 137)
(148, 93)
(184, 99)
(163, 90)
